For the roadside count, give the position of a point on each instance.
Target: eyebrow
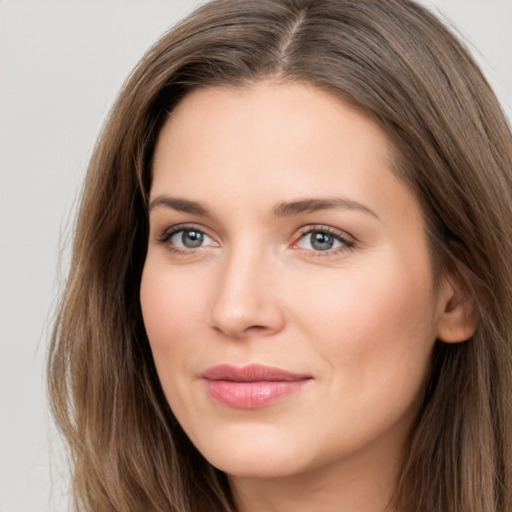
(178, 204)
(284, 209)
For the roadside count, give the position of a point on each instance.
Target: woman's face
(279, 237)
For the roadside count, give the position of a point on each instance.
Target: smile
(253, 386)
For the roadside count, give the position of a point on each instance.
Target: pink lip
(252, 386)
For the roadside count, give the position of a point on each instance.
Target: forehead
(284, 111)
(282, 140)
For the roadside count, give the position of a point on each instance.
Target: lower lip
(252, 395)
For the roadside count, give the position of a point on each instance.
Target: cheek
(170, 307)
(375, 327)
(376, 297)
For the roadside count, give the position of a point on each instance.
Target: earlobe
(459, 320)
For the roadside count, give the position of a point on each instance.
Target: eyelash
(347, 242)
(174, 230)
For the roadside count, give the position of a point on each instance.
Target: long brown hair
(394, 61)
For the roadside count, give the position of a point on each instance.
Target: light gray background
(61, 65)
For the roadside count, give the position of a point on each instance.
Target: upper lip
(251, 373)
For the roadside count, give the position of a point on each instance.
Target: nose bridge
(244, 301)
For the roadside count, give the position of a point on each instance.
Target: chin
(258, 466)
(257, 456)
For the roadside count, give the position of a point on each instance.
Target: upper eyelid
(166, 234)
(328, 229)
(186, 226)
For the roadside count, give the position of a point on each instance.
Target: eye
(189, 239)
(323, 239)
(185, 239)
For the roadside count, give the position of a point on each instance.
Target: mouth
(253, 386)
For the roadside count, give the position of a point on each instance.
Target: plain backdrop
(61, 65)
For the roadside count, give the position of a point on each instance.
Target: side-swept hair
(395, 62)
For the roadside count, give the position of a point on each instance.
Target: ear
(459, 320)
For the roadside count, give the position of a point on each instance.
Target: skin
(360, 318)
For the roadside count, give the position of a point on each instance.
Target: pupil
(192, 239)
(321, 241)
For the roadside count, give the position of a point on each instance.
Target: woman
(291, 286)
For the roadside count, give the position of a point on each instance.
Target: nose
(245, 298)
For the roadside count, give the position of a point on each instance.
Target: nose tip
(239, 325)
(244, 304)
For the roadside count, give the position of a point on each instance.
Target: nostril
(256, 328)
(242, 333)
